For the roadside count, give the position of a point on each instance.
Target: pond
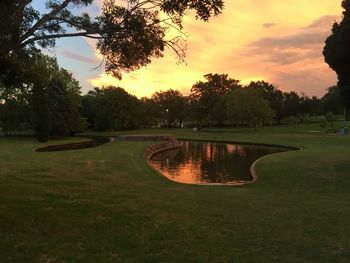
(209, 162)
(93, 142)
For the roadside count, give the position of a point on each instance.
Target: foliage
(290, 121)
(56, 86)
(129, 35)
(171, 106)
(291, 103)
(337, 54)
(150, 113)
(311, 106)
(41, 117)
(15, 113)
(207, 94)
(331, 101)
(110, 108)
(63, 108)
(272, 95)
(247, 107)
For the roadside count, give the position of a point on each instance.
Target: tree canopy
(171, 105)
(128, 35)
(337, 53)
(110, 108)
(205, 95)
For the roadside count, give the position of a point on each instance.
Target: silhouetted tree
(337, 53)
(247, 107)
(111, 108)
(331, 101)
(64, 107)
(128, 34)
(311, 106)
(55, 85)
(291, 104)
(209, 93)
(41, 116)
(149, 114)
(272, 95)
(171, 105)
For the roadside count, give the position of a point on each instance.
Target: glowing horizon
(252, 40)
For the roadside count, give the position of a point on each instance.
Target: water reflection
(206, 162)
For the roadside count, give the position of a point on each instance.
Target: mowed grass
(105, 204)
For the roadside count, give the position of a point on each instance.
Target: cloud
(304, 79)
(269, 25)
(306, 43)
(278, 41)
(322, 22)
(72, 55)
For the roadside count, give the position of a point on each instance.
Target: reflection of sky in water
(203, 162)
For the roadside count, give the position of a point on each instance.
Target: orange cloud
(279, 41)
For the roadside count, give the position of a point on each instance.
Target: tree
(128, 36)
(171, 106)
(209, 93)
(272, 95)
(311, 106)
(331, 101)
(110, 108)
(150, 112)
(64, 107)
(46, 81)
(13, 114)
(291, 103)
(41, 116)
(337, 54)
(247, 107)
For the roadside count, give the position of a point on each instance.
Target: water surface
(94, 142)
(209, 162)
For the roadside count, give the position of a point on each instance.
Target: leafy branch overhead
(128, 36)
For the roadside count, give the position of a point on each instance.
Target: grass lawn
(105, 204)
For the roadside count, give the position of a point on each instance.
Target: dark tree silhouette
(331, 101)
(171, 105)
(110, 108)
(205, 95)
(41, 117)
(337, 53)
(272, 95)
(128, 36)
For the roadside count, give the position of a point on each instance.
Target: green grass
(105, 204)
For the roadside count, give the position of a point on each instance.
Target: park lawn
(105, 204)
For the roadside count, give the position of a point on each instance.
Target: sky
(277, 41)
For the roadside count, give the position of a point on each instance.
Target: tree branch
(54, 36)
(44, 19)
(87, 29)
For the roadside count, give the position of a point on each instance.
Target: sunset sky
(277, 41)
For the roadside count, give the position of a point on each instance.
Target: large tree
(171, 106)
(128, 35)
(205, 95)
(337, 53)
(331, 101)
(272, 95)
(110, 108)
(247, 107)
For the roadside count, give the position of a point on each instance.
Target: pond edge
(238, 183)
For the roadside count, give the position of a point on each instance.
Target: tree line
(217, 101)
(54, 106)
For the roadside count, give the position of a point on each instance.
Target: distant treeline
(218, 101)
(56, 107)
